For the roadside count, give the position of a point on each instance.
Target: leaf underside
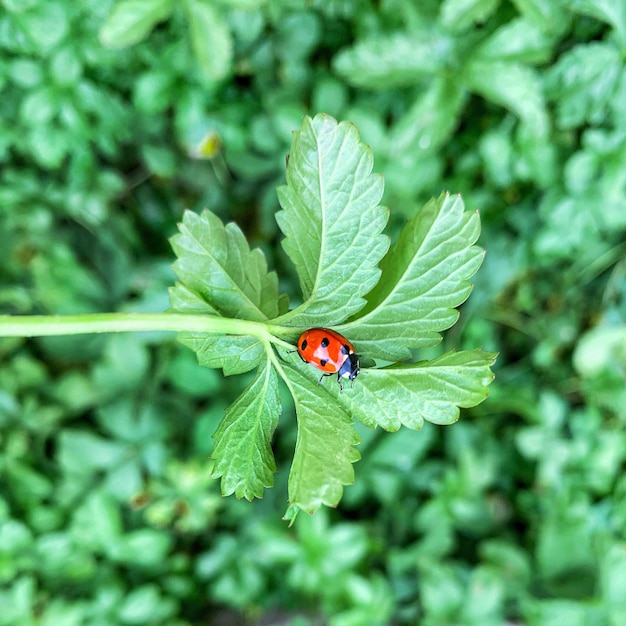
(394, 302)
(325, 451)
(243, 452)
(424, 277)
(406, 395)
(332, 221)
(215, 262)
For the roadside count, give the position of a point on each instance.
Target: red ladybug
(330, 352)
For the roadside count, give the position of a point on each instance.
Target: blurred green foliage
(107, 512)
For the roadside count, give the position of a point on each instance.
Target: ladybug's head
(350, 368)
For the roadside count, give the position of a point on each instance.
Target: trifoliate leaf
(243, 452)
(425, 276)
(325, 450)
(331, 220)
(396, 60)
(216, 263)
(131, 20)
(430, 390)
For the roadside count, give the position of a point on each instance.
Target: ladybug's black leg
(340, 383)
(319, 382)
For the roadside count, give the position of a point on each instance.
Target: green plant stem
(46, 325)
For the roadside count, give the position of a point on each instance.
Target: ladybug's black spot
(323, 362)
(345, 349)
(303, 345)
(325, 342)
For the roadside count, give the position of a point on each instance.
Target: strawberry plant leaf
(332, 224)
(184, 300)
(406, 395)
(325, 452)
(424, 277)
(243, 452)
(331, 220)
(234, 354)
(215, 263)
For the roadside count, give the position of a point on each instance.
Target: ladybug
(330, 353)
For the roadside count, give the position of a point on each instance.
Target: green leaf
(609, 11)
(431, 119)
(582, 83)
(549, 15)
(184, 300)
(234, 354)
(511, 85)
(146, 547)
(96, 521)
(83, 452)
(613, 581)
(425, 275)
(518, 40)
(331, 220)
(44, 25)
(131, 20)
(216, 263)
(211, 39)
(406, 395)
(396, 60)
(146, 605)
(603, 348)
(325, 450)
(243, 452)
(460, 14)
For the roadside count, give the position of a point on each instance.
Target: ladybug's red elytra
(330, 353)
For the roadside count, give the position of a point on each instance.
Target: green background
(516, 514)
